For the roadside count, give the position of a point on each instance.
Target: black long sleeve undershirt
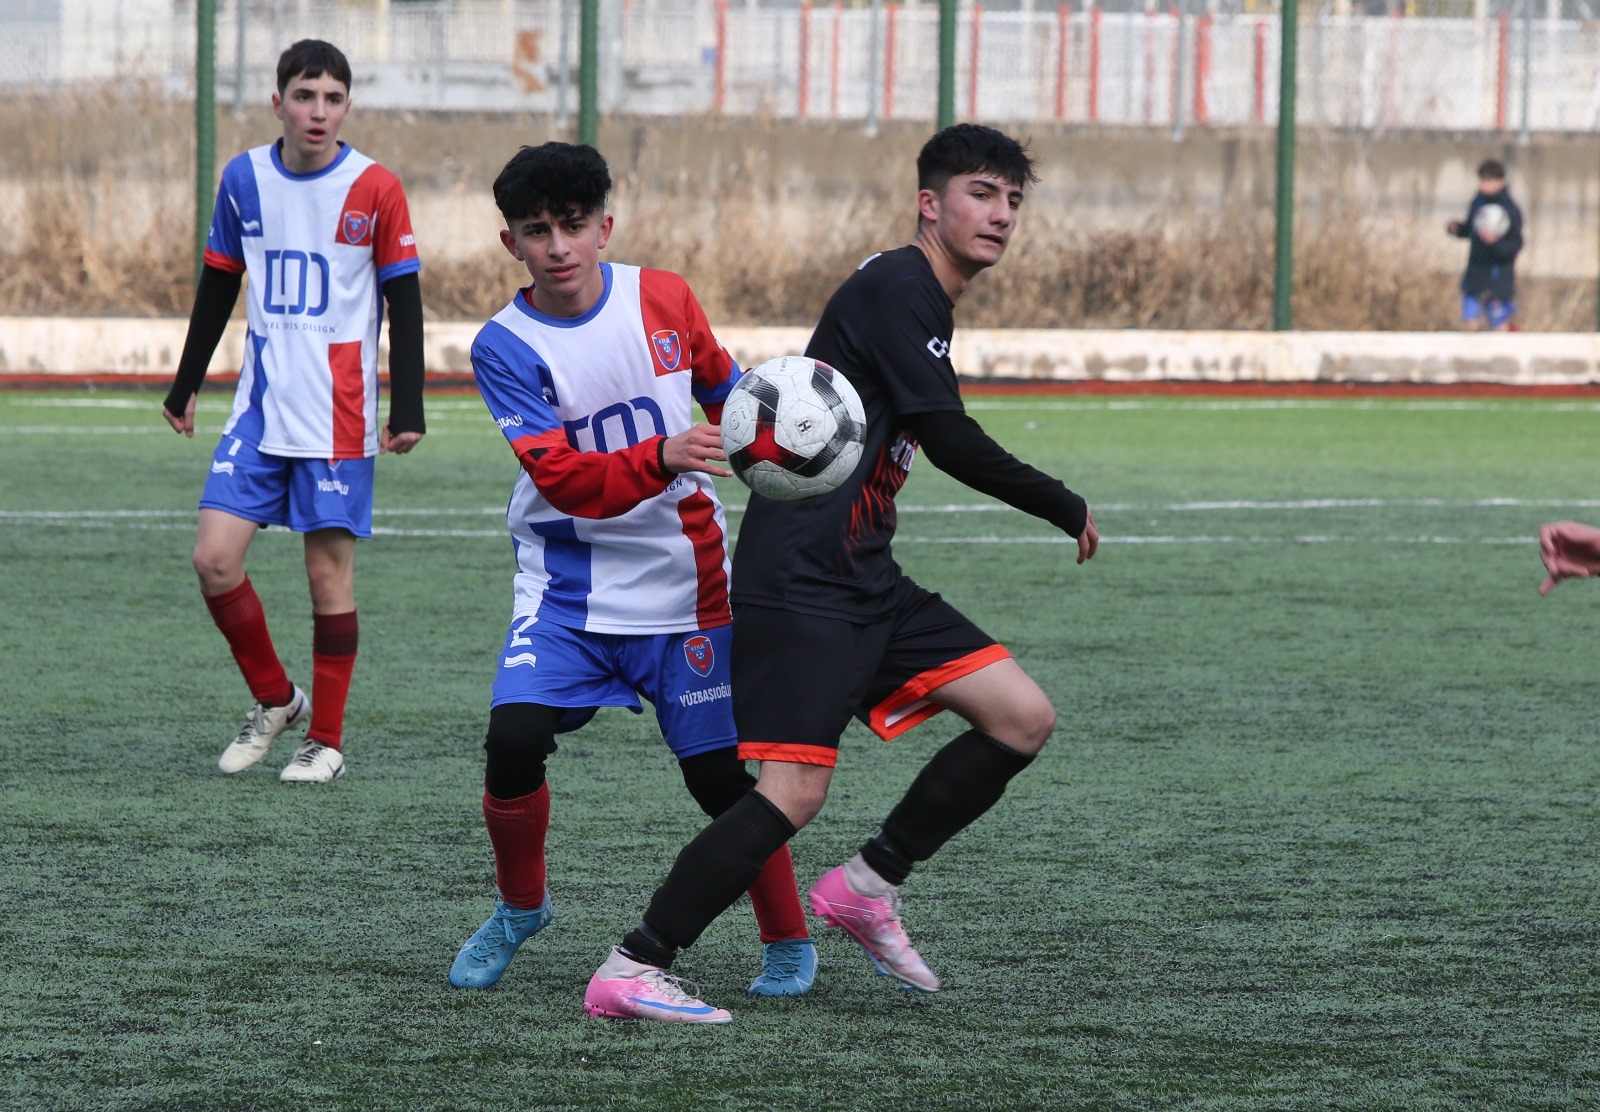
(404, 295)
(958, 446)
(214, 299)
(218, 292)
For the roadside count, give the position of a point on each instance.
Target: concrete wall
(146, 351)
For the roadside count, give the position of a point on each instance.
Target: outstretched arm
(958, 446)
(1570, 550)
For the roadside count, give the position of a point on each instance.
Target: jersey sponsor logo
(521, 658)
(697, 651)
(705, 695)
(333, 486)
(616, 423)
(354, 228)
(408, 240)
(297, 284)
(514, 419)
(222, 467)
(940, 348)
(669, 351)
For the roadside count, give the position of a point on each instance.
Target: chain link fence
(1423, 65)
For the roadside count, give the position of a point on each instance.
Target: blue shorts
(299, 494)
(1499, 312)
(684, 675)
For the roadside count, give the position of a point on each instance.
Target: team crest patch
(667, 348)
(356, 226)
(697, 651)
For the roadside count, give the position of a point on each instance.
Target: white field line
(183, 520)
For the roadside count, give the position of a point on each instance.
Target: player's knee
(520, 737)
(1028, 726)
(716, 779)
(218, 571)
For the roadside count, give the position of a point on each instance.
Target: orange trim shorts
(798, 679)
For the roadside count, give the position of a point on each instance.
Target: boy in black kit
(815, 580)
(1494, 227)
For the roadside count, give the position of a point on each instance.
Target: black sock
(963, 780)
(711, 872)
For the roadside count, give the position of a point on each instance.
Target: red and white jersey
(649, 560)
(317, 249)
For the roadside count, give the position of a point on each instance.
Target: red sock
(516, 830)
(776, 903)
(333, 659)
(243, 623)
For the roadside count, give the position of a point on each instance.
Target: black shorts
(798, 679)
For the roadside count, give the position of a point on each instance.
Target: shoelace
(783, 963)
(675, 990)
(306, 757)
(252, 724)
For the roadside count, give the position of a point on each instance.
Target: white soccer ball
(793, 428)
(1491, 222)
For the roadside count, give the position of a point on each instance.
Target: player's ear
(606, 222)
(277, 106)
(510, 243)
(928, 204)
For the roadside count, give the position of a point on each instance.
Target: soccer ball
(793, 428)
(1491, 222)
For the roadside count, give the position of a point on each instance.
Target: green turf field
(1318, 828)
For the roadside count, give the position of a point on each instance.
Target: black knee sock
(963, 780)
(711, 872)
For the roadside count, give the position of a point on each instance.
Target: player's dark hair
(563, 179)
(310, 58)
(1492, 168)
(970, 149)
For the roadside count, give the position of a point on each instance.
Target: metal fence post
(205, 123)
(1283, 270)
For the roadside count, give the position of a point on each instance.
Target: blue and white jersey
(628, 561)
(317, 248)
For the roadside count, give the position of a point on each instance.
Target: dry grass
(99, 211)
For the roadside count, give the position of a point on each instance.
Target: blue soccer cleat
(788, 968)
(484, 957)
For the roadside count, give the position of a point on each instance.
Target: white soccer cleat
(264, 726)
(313, 763)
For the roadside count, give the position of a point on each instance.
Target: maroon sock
(516, 830)
(243, 623)
(333, 660)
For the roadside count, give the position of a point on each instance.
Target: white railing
(827, 61)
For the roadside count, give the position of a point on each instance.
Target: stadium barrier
(47, 350)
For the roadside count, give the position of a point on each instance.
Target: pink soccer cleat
(873, 921)
(625, 989)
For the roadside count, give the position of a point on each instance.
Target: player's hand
(1489, 238)
(1569, 550)
(397, 442)
(697, 448)
(184, 424)
(1088, 540)
(1454, 227)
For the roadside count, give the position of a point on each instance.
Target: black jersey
(887, 329)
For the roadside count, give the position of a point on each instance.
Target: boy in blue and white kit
(592, 373)
(321, 229)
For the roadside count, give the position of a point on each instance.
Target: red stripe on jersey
(349, 401)
(375, 213)
(222, 262)
(699, 516)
